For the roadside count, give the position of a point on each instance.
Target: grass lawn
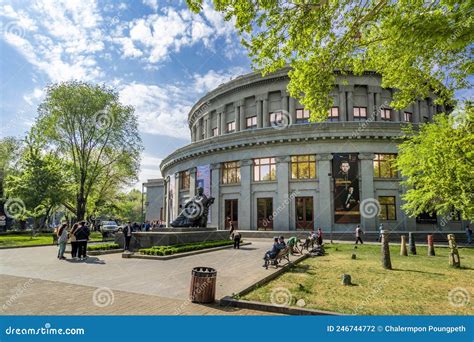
(12, 240)
(417, 285)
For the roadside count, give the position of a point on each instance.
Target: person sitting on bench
(271, 254)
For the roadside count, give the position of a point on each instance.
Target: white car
(108, 227)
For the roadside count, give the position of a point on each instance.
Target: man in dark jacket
(82, 235)
(127, 233)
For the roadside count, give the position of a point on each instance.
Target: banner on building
(203, 180)
(171, 194)
(345, 172)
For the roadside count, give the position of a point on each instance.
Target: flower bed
(168, 250)
(103, 247)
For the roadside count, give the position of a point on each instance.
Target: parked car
(108, 227)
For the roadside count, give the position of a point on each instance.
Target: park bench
(306, 244)
(282, 254)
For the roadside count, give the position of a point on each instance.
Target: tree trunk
(411, 242)
(386, 262)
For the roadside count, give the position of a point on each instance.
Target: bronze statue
(195, 211)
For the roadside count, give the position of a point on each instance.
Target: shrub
(103, 247)
(181, 248)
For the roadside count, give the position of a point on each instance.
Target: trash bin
(203, 285)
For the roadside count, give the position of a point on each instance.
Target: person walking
(319, 237)
(469, 234)
(380, 232)
(231, 227)
(358, 234)
(127, 233)
(72, 238)
(62, 241)
(237, 237)
(82, 235)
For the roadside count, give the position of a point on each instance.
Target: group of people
(78, 235)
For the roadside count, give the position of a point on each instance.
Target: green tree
(123, 206)
(88, 128)
(437, 164)
(40, 184)
(416, 46)
(9, 152)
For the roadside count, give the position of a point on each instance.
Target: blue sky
(157, 54)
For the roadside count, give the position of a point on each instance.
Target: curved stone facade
(268, 168)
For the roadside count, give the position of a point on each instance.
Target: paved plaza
(33, 281)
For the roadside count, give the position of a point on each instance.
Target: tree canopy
(416, 46)
(437, 164)
(94, 135)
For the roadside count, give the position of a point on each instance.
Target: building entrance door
(265, 213)
(304, 213)
(232, 211)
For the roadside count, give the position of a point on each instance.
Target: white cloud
(212, 79)
(152, 4)
(33, 97)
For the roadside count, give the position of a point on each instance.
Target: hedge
(181, 248)
(103, 247)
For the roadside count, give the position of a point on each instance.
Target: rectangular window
(384, 166)
(184, 180)
(231, 127)
(360, 113)
(302, 115)
(275, 117)
(333, 114)
(407, 117)
(303, 167)
(386, 114)
(215, 132)
(251, 122)
(388, 209)
(230, 173)
(264, 169)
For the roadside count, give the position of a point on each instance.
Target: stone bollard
(386, 262)
(403, 246)
(454, 260)
(411, 243)
(346, 279)
(353, 256)
(431, 251)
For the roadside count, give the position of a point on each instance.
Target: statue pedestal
(172, 236)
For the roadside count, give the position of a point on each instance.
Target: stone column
(292, 109)
(416, 112)
(350, 102)
(215, 186)
(411, 243)
(209, 126)
(223, 121)
(281, 219)
(242, 116)
(431, 251)
(403, 245)
(259, 112)
(165, 202)
(325, 212)
(219, 124)
(342, 104)
(192, 182)
(367, 191)
(245, 200)
(265, 116)
(370, 101)
(377, 104)
(193, 134)
(284, 100)
(237, 117)
(199, 130)
(176, 195)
